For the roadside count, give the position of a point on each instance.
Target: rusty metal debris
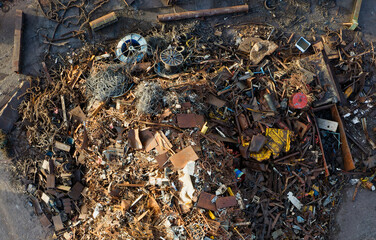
(243, 141)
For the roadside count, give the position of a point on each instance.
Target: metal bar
(202, 13)
(348, 161)
(355, 16)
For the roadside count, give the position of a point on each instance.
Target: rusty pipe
(202, 13)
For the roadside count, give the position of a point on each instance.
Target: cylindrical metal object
(171, 59)
(103, 21)
(243, 121)
(202, 13)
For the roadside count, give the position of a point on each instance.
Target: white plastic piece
(294, 201)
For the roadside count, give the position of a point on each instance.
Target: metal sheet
(226, 202)
(204, 201)
(327, 124)
(181, 159)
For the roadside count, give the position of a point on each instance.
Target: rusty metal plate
(213, 100)
(257, 142)
(50, 181)
(181, 159)
(226, 202)
(148, 140)
(57, 223)
(44, 221)
(161, 159)
(204, 201)
(190, 120)
(76, 190)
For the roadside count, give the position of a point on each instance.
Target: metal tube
(202, 13)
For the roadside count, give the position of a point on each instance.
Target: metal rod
(202, 13)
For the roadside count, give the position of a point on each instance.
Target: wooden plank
(17, 42)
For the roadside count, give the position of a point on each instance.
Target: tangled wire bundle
(107, 81)
(151, 97)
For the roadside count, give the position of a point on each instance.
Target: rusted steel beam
(202, 13)
(17, 42)
(348, 161)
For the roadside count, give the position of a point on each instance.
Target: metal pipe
(202, 13)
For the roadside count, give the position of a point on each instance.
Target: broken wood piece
(180, 159)
(17, 48)
(142, 215)
(65, 119)
(62, 146)
(260, 49)
(63, 188)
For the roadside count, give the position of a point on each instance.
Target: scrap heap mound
(234, 143)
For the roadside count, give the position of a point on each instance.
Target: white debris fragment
(294, 200)
(355, 120)
(97, 210)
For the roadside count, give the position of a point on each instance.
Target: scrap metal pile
(190, 132)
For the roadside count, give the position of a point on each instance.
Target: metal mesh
(107, 81)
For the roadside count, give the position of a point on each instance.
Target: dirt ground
(303, 17)
(17, 218)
